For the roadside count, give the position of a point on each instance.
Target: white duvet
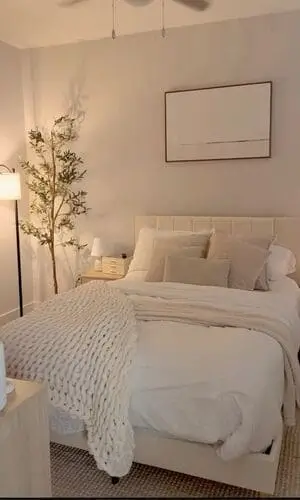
(217, 385)
(208, 386)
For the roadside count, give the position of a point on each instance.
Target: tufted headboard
(286, 229)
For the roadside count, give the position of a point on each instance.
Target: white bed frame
(256, 471)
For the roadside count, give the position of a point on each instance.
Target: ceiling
(36, 23)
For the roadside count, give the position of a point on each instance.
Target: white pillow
(280, 262)
(145, 244)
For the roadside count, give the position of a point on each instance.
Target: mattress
(181, 375)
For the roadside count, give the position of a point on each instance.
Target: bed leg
(115, 480)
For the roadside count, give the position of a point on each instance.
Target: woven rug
(74, 474)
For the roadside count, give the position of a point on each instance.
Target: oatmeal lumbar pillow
(195, 271)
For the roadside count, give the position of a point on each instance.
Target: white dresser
(24, 442)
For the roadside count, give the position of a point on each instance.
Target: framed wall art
(218, 123)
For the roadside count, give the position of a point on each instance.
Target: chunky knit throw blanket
(82, 342)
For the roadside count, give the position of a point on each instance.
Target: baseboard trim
(14, 313)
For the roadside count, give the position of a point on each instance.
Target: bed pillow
(280, 263)
(220, 247)
(247, 260)
(163, 248)
(247, 264)
(193, 271)
(145, 243)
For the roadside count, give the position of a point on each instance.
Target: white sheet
(284, 285)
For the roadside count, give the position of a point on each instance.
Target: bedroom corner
(12, 146)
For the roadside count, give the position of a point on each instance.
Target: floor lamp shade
(10, 186)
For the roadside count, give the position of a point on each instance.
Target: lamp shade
(10, 186)
(97, 248)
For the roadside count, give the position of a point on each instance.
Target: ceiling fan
(198, 5)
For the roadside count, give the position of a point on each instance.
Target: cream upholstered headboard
(286, 229)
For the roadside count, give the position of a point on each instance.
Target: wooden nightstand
(24, 442)
(98, 275)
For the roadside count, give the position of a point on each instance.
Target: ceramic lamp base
(3, 401)
(98, 265)
(10, 386)
(2, 378)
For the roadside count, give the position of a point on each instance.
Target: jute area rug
(74, 474)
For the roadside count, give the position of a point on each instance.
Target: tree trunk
(52, 228)
(54, 274)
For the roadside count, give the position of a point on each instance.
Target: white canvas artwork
(219, 123)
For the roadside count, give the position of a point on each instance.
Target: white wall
(120, 84)
(11, 146)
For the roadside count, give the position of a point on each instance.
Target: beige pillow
(220, 247)
(147, 237)
(195, 271)
(246, 263)
(162, 248)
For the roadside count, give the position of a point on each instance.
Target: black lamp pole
(18, 248)
(18, 256)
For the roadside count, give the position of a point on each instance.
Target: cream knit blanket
(83, 343)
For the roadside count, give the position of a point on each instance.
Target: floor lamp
(10, 189)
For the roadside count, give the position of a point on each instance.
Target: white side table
(24, 442)
(99, 275)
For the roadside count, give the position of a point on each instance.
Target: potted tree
(55, 200)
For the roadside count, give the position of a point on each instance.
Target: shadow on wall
(69, 266)
(70, 262)
(75, 100)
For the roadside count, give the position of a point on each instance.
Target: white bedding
(187, 379)
(284, 285)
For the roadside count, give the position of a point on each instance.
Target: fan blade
(195, 4)
(138, 3)
(69, 3)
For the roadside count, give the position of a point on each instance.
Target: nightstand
(24, 442)
(98, 275)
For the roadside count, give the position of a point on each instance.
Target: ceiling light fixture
(163, 15)
(114, 12)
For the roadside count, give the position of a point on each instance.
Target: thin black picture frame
(220, 87)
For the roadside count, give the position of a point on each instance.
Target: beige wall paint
(11, 146)
(120, 84)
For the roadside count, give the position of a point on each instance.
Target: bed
(163, 436)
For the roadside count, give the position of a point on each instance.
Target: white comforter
(190, 383)
(234, 369)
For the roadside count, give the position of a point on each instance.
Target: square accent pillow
(221, 245)
(148, 236)
(195, 271)
(163, 248)
(246, 264)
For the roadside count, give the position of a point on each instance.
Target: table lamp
(10, 189)
(98, 252)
